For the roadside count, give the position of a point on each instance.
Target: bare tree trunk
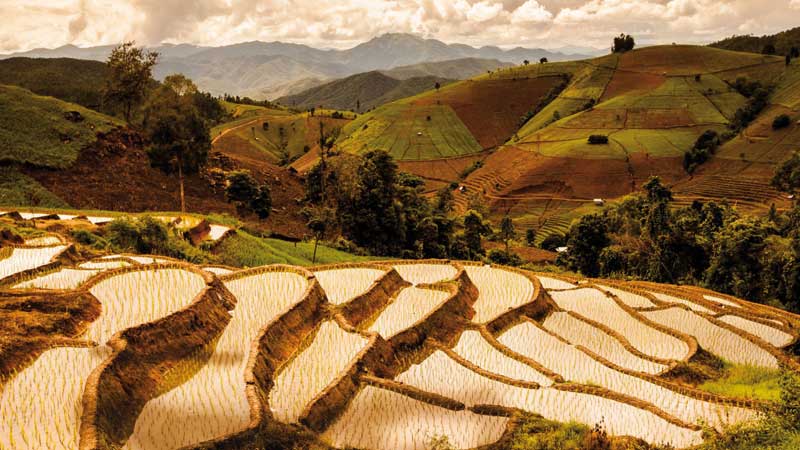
(314, 258)
(180, 180)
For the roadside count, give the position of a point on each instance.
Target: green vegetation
(402, 129)
(623, 43)
(17, 189)
(787, 176)
(706, 243)
(779, 429)
(782, 121)
(746, 382)
(130, 73)
(36, 130)
(705, 146)
(782, 43)
(246, 250)
(146, 235)
(71, 80)
(247, 194)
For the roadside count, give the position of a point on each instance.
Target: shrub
(598, 139)
(247, 194)
(553, 241)
(781, 121)
(499, 256)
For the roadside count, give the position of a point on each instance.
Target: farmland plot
(574, 365)
(598, 341)
(384, 420)
(41, 414)
(441, 375)
(594, 305)
(62, 279)
(425, 273)
(102, 265)
(554, 283)
(717, 340)
(672, 299)
(474, 348)
(342, 285)
(411, 305)
(23, 259)
(629, 298)
(216, 394)
(773, 336)
(331, 351)
(498, 291)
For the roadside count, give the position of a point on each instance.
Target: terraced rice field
(372, 356)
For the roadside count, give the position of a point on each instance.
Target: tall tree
(507, 230)
(130, 71)
(178, 135)
(586, 239)
(475, 228)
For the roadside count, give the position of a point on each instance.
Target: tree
(769, 49)
(586, 240)
(788, 59)
(178, 135)
(507, 230)
(437, 86)
(623, 43)
(130, 71)
(317, 220)
(179, 83)
(445, 203)
(243, 190)
(475, 228)
(530, 237)
(542, 60)
(787, 175)
(782, 121)
(526, 62)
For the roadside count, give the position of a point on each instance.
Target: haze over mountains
(268, 70)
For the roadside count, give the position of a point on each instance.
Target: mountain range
(268, 70)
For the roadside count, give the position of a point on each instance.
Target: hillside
(783, 42)
(268, 70)
(71, 80)
(456, 69)
(48, 160)
(651, 103)
(361, 92)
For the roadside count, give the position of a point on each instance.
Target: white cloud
(531, 12)
(343, 23)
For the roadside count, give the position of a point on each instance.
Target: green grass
(246, 250)
(17, 189)
(33, 129)
(746, 382)
(403, 130)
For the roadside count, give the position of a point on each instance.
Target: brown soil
(114, 174)
(530, 254)
(491, 109)
(443, 170)
(624, 82)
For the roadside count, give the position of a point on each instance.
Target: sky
(29, 24)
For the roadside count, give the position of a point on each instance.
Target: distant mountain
(271, 69)
(367, 90)
(456, 69)
(783, 42)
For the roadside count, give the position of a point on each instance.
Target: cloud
(344, 23)
(531, 12)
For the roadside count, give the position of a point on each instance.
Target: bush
(598, 139)
(150, 236)
(499, 256)
(553, 241)
(247, 194)
(705, 146)
(781, 121)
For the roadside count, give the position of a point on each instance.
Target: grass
(246, 250)
(746, 382)
(33, 129)
(17, 189)
(405, 132)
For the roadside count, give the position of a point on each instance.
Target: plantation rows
(374, 356)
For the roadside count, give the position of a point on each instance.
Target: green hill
(783, 42)
(361, 92)
(36, 130)
(72, 80)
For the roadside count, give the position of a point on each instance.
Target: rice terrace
(405, 225)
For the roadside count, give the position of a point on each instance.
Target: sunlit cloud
(29, 24)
